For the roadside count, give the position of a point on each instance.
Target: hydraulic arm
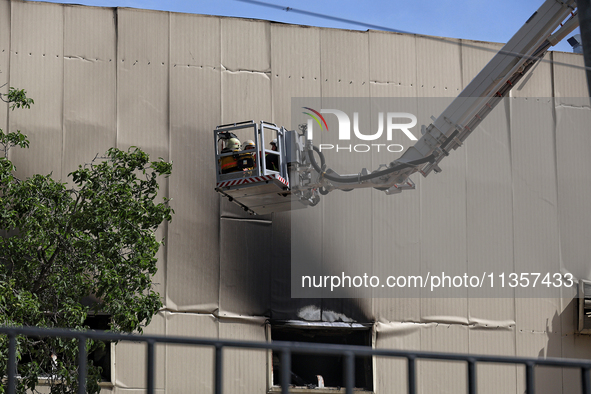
(465, 113)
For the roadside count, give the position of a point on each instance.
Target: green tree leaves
(61, 243)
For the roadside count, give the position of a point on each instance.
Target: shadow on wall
(563, 341)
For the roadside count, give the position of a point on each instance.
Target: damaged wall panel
(193, 269)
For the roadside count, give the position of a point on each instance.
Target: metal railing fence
(286, 349)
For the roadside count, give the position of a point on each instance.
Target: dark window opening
(306, 367)
(42, 351)
(100, 357)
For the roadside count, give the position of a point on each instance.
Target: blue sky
(479, 20)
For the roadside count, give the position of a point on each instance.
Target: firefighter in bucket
(237, 161)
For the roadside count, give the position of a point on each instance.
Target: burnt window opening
(306, 367)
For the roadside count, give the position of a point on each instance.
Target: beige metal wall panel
(391, 374)
(443, 377)
(143, 81)
(246, 65)
(193, 260)
(189, 369)
(574, 185)
(395, 250)
(245, 267)
(246, 95)
(569, 81)
(476, 55)
(392, 64)
(143, 93)
(395, 218)
(535, 213)
(303, 228)
(494, 378)
(343, 78)
(90, 96)
(37, 65)
(245, 370)
(537, 82)
(443, 225)
(540, 344)
(129, 373)
(118, 390)
(295, 59)
(345, 239)
(489, 211)
(4, 59)
(246, 45)
(574, 346)
(340, 76)
(444, 80)
(195, 42)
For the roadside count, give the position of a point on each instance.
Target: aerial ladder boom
(306, 179)
(495, 81)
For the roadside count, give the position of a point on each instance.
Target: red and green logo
(318, 115)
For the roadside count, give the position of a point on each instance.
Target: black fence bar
(11, 363)
(218, 368)
(150, 366)
(82, 364)
(412, 375)
(285, 371)
(286, 348)
(349, 372)
(471, 376)
(530, 382)
(586, 380)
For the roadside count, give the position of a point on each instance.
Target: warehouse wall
(103, 77)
